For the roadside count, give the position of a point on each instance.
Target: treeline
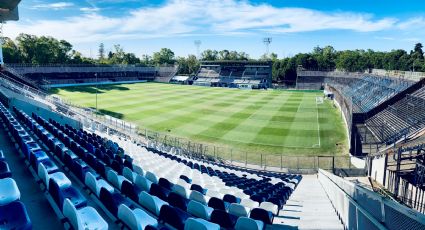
(47, 50)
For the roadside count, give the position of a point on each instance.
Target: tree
(101, 52)
(11, 54)
(188, 65)
(209, 55)
(164, 56)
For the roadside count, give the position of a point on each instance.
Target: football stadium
(221, 139)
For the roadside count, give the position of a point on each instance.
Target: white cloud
(413, 23)
(53, 6)
(194, 17)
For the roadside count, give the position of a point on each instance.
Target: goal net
(319, 100)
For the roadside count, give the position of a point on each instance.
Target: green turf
(288, 122)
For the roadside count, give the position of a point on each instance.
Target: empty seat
(152, 177)
(199, 210)
(95, 185)
(231, 199)
(129, 174)
(245, 223)
(268, 206)
(181, 190)
(131, 191)
(4, 170)
(112, 200)
(198, 188)
(135, 219)
(250, 203)
(59, 177)
(115, 179)
(14, 216)
(200, 224)
(137, 169)
(152, 203)
(84, 218)
(173, 216)
(158, 191)
(143, 183)
(185, 178)
(238, 210)
(217, 203)
(197, 196)
(165, 183)
(59, 194)
(178, 201)
(224, 219)
(9, 191)
(262, 215)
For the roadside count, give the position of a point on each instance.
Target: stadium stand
(234, 74)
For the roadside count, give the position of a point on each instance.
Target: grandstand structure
(235, 74)
(57, 75)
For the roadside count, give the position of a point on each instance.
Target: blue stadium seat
(245, 223)
(84, 218)
(260, 214)
(130, 190)
(59, 194)
(159, 191)
(4, 170)
(218, 204)
(14, 216)
(173, 216)
(135, 218)
(224, 219)
(231, 199)
(9, 191)
(200, 224)
(178, 201)
(199, 210)
(112, 200)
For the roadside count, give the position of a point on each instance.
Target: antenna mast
(267, 42)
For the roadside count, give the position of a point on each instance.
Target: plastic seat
(238, 210)
(96, 184)
(137, 169)
(152, 203)
(173, 216)
(250, 203)
(129, 174)
(59, 194)
(112, 200)
(165, 183)
(135, 219)
(14, 216)
(84, 218)
(200, 224)
(198, 188)
(36, 157)
(212, 193)
(131, 191)
(268, 206)
(231, 199)
(4, 170)
(199, 210)
(9, 191)
(143, 183)
(152, 177)
(217, 203)
(181, 190)
(80, 169)
(224, 219)
(197, 196)
(178, 201)
(59, 177)
(115, 179)
(245, 223)
(160, 192)
(262, 215)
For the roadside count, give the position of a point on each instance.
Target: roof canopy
(9, 10)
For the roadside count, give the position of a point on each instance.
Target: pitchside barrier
(361, 208)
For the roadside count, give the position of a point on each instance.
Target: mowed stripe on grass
(253, 121)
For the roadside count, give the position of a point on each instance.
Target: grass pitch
(273, 121)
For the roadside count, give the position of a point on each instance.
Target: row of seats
(71, 203)
(13, 214)
(155, 197)
(123, 209)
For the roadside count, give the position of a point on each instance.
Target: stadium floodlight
(267, 42)
(198, 45)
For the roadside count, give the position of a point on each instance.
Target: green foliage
(164, 56)
(188, 65)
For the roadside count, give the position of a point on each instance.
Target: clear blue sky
(143, 27)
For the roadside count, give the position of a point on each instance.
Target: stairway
(309, 208)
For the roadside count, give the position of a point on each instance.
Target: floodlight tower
(267, 42)
(198, 45)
